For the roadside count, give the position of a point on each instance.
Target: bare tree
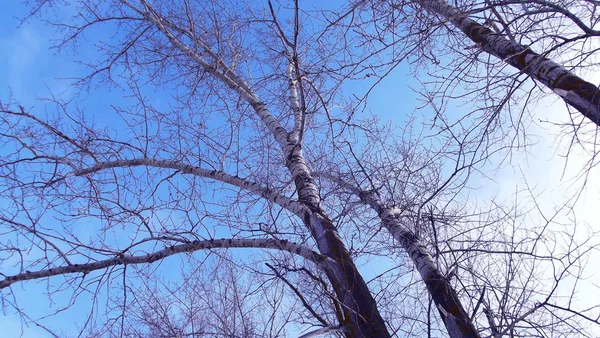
(252, 147)
(470, 51)
(216, 302)
(580, 94)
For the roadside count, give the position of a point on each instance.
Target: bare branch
(86, 268)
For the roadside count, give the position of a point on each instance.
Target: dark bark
(362, 316)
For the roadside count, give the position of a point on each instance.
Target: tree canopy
(222, 168)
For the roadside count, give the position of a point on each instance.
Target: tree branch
(256, 188)
(85, 268)
(299, 295)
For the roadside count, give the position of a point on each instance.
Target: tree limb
(85, 268)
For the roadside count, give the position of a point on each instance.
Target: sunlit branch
(122, 259)
(222, 72)
(295, 102)
(239, 182)
(296, 92)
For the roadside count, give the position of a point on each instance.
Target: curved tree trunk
(360, 309)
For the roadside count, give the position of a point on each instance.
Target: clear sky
(30, 70)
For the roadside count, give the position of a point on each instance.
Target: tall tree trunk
(360, 309)
(580, 94)
(456, 319)
(361, 313)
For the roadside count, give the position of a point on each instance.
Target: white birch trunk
(456, 319)
(360, 309)
(580, 94)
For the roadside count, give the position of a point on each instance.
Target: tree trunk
(360, 309)
(456, 319)
(578, 93)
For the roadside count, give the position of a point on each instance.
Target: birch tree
(575, 91)
(496, 58)
(232, 127)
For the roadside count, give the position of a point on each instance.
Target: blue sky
(27, 68)
(31, 70)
